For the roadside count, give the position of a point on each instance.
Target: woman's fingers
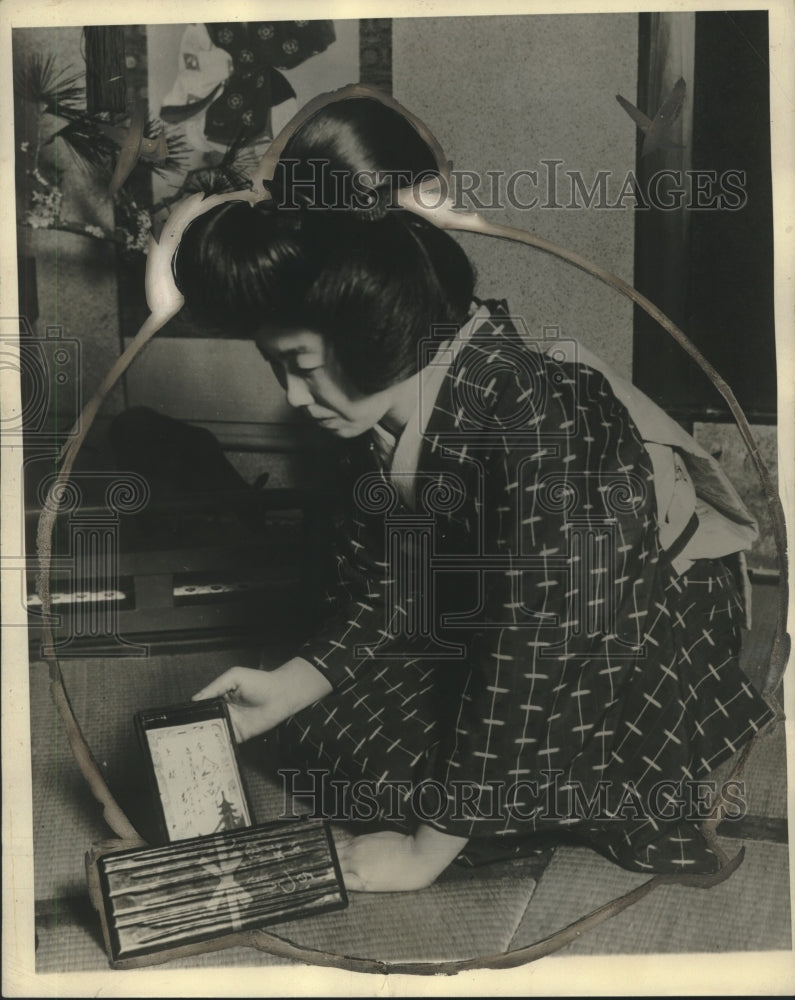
(351, 878)
(352, 882)
(225, 684)
(250, 696)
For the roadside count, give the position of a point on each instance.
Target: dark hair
(373, 287)
(352, 154)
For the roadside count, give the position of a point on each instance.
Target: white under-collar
(400, 456)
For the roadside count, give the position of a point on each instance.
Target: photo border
(743, 972)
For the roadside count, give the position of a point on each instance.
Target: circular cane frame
(164, 302)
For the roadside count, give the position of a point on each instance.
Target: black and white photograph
(397, 477)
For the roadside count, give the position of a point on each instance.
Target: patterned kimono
(512, 651)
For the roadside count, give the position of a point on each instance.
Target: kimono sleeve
(355, 603)
(361, 621)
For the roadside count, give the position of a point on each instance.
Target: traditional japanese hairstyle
(426, 198)
(332, 250)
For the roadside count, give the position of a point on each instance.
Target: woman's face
(308, 372)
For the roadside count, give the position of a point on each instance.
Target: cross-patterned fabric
(518, 650)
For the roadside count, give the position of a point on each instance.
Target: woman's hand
(260, 699)
(395, 862)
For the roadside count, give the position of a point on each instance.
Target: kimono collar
(400, 456)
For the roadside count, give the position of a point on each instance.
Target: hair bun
(372, 204)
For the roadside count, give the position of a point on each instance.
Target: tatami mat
(69, 940)
(750, 911)
(461, 916)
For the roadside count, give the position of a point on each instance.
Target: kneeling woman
(531, 629)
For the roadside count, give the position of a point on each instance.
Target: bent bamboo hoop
(165, 301)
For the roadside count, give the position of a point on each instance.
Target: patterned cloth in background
(231, 70)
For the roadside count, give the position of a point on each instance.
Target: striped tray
(157, 899)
